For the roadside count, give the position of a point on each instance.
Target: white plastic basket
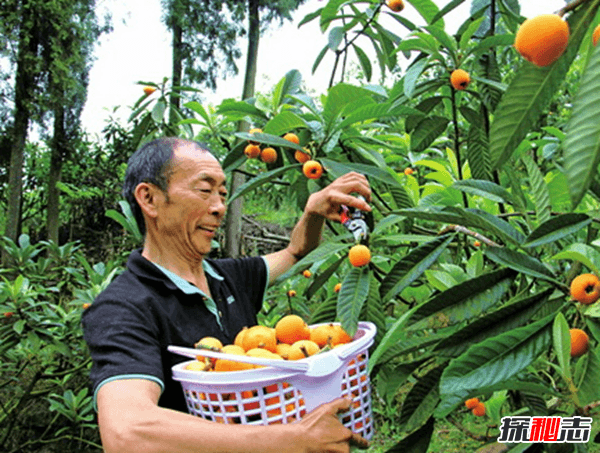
(283, 391)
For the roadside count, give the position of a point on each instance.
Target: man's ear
(148, 197)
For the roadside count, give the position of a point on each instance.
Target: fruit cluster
(476, 407)
(585, 289)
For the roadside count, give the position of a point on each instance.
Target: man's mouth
(210, 229)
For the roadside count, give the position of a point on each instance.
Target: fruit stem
(570, 7)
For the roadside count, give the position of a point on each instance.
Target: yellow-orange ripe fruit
(471, 403)
(252, 151)
(148, 90)
(268, 155)
(479, 410)
(585, 288)
(596, 35)
(307, 273)
(395, 5)
(408, 171)
(542, 39)
(302, 157)
(359, 255)
(337, 287)
(312, 169)
(579, 342)
(460, 79)
(290, 137)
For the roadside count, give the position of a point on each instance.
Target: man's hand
(328, 201)
(323, 432)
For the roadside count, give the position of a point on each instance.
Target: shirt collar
(183, 284)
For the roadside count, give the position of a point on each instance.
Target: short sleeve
(122, 340)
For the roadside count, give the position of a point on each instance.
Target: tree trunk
(24, 86)
(233, 224)
(56, 161)
(176, 71)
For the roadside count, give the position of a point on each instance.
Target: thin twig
(570, 7)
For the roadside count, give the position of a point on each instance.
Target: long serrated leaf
(341, 168)
(421, 400)
(498, 358)
(508, 317)
(557, 228)
(483, 219)
(531, 90)
(478, 153)
(410, 267)
(561, 340)
(485, 189)
(322, 278)
(417, 441)
(588, 389)
(352, 296)
(322, 252)
(284, 122)
(365, 62)
(467, 299)
(412, 76)
(520, 262)
(325, 312)
(261, 179)
(427, 131)
(585, 254)
(582, 144)
(539, 190)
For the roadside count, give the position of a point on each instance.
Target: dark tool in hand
(358, 222)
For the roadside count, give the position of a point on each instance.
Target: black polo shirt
(144, 310)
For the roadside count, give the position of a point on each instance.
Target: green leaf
(520, 262)
(466, 300)
(498, 358)
(375, 111)
(588, 388)
(417, 441)
(557, 228)
(322, 252)
(319, 59)
(581, 147)
(411, 266)
(504, 40)
(284, 122)
(412, 76)
(336, 34)
(539, 190)
(322, 278)
(240, 108)
(478, 153)
(158, 111)
(561, 339)
(531, 90)
(585, 254)
(338, 97)
(338, 169)
(485, 189)
(351, 297)
(427, 131)
(365, 62)
(469, 32)
(428, 11)
(269, 139)
(421, 400)
(261, 179)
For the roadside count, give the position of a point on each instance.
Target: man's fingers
(358, 441)
(340, 405)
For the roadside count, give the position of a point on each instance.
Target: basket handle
(281, 364)
(352, 348)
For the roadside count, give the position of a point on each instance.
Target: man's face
(188, 218)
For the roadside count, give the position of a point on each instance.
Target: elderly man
(171, 293)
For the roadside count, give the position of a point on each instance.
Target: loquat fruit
(460, 79)
(408, 171)
(585, 288)
(231, 365)
(239, 338)
(291, 137)
(541, 40)
(148, 90)
(471, 403)
(210, 343)
(477, 243)
(596, 35)
(359, 255)
(268, 155)
(307, 273)
(252, 151)
(337, 287)
(395, 5)
(323, 335)
(291, 293)
(302, 349)
(260, 337)
(579, 342)
(312, 169)
(302, 157)
(283, 349)
(479, 410)
(263, 354)
(291, 328)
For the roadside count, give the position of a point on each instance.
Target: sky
(138, 49)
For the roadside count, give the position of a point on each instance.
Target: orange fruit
(247, 394)
(340, 335)
(230, 365)
(312, 169)
(291, 293)
(395, 5)
(291, 328)
(283, 350)
(148, 90)
(302, 156)
(239, 338)
(263, 354)
(196, 366)
(542, 39)
(323, 334)
(408, 171)
(209, 343)
(479, 410)
(290, 137)
(337, 287)
(471, 403)
(359, 255)
(596, 35)
(255, 130)
(252, 151)
(302, 349)
(260, 337)
(579, 342)
(268, 155)
(307, 273)
(477, 243)
(84, 306)
(585, 288)
(460, 79)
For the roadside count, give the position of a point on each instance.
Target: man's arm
(131, 421)
(321, 205)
